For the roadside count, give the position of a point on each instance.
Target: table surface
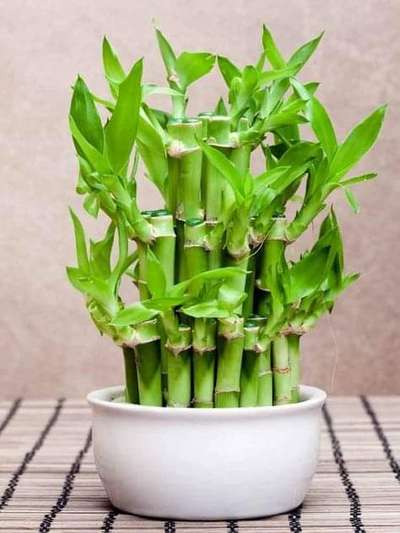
(48, 480)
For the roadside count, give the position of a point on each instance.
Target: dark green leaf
(112, 67)
(84, 113)
(95, 158)
(152, 151)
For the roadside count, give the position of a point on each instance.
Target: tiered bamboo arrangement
(222, 310)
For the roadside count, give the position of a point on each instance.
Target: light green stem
(179, 378)
(281, 371)
(227, 391)
(265, 384)
(204, 360)
(294, 363)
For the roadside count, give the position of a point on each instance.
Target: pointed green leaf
(80, 243)
(303, 54)
(191, 66)
(121, 129)
(152, 151)
(113, 69)
(133, 315)
(155, 275)
(352, 200)
(228, 70)
(220, 108)
(225, 167)
(322, 126)
(92, 204)
(206, 310)
(100, 254)
(85, 115)
(95, 158)
(271, 50)
(357, 144)
(167, 53)
(359, 179)
(307, 275)
(271, 75)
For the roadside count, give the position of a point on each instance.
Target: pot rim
(312, 397)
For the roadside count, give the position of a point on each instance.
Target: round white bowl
(206, 464)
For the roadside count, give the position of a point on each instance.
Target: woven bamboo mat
(48, 481)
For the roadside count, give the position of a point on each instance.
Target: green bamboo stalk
(163, 245)
(227, 391)
(179, 369)
(144, 293)
(249, 378)
(265, 383)
(281, 371)
(131, 382)
(240, 157)
(218, 135)
(294, 362)
(271, 259)
(204, 361)
(146, 344)
(196, 260)
(185, 150)
(248, 304)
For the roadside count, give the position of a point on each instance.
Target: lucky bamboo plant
(222, 309)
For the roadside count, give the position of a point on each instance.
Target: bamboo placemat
(48, 481)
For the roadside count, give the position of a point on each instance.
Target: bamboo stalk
(185, 150)
(227, 389)
(294, 362)
(146, 345)
(265, 383)
(131, 382)
(179, 369)
(204, 361)
(196, 260)
(249, 378)
(281, 371)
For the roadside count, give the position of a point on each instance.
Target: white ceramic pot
(206, 464)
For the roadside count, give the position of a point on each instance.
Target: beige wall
(48, 346)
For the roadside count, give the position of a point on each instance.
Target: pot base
(206, 464)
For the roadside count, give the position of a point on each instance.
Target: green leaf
(191, 66)
(113, 69)
(359, 179)
(352, 200)
(151, 88)
(95, 288)
(303, 54)
(152, 151)
(357, 144)
(95, 158)
(121, 129)
(271, 75)
(92, 204)
(100, 254)
(306, 275)
(84, 113)
(271, 50)
(220, 108)
(133, 314)
(226, 168)
(80, 244)
(299, 153)
(322, 126)
(228, 70)
(206, 310)
(167, 53)
(155, 275)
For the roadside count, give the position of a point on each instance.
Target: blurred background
(48, 346)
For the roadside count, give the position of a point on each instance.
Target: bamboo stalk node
(285, 370)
